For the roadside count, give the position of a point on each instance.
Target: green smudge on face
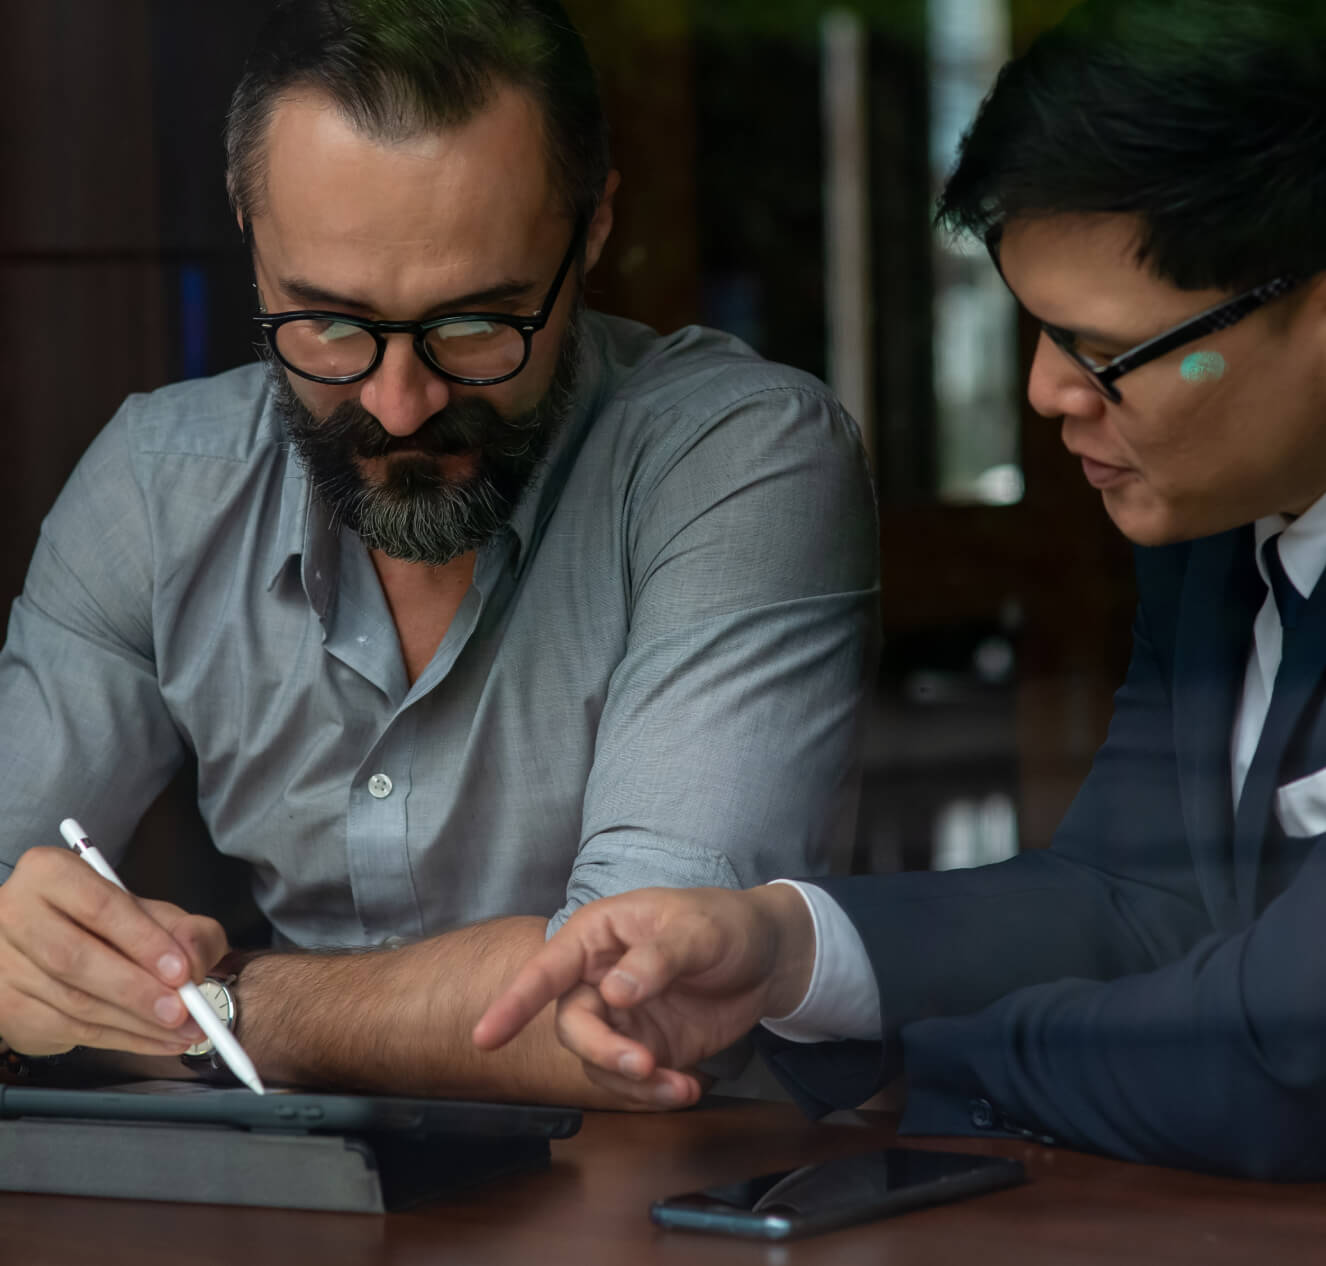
(1203, 367)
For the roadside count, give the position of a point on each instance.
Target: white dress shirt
(842, 1000)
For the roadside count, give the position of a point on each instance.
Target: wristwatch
(202, 1057)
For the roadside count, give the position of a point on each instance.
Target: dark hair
(1204, 118)
(400, 67)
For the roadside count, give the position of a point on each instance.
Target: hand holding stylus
(83, 963)
(227, 1047)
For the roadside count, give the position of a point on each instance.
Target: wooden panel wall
(642, 48)
(81, 296)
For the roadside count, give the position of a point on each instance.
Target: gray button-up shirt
(656, 677)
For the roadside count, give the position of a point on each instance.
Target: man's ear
(600, 227)
(1310, 313)
(1316, 296)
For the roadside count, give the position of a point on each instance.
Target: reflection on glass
(975, 320)
(847, 255)
(975, 833)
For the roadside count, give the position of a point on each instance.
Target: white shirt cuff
(842, 1000)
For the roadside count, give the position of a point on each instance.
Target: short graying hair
(397, 68)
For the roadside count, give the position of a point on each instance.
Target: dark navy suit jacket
(1152, 986)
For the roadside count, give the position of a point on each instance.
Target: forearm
(399, 1021)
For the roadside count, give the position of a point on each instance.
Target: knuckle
(203, 938)
(88, 1033)
(63, 957)
(205, 950)
(539, 981)
(37, 870)
(78, 1005)
(35, 861)
(96, 903)
(203, 932)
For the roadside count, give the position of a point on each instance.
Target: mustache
(464, 426)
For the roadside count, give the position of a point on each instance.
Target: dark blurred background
(780, 159)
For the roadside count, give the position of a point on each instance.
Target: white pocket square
(1301, 805)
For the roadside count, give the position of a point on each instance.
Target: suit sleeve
(1216, 1061)
(1080, 994)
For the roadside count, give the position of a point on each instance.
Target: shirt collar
(303, 532)
(1302, 545)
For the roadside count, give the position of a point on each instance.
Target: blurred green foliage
(796, 20)
(903, 19)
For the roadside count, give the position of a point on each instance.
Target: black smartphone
(837, 1193)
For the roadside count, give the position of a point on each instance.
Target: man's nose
(403, 393)
(1057, 387)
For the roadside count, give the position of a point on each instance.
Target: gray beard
(415, 513)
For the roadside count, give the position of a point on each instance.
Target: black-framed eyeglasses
(476, 349)
(1104, 375)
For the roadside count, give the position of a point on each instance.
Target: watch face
(218, 997)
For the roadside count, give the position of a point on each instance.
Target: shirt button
(982, 1113)
(379, 786)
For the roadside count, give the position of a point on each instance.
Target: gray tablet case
(224, 1164)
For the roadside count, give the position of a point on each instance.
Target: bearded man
(470, 605)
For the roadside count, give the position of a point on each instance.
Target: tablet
(293, 1111)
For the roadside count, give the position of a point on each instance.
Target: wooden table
(590, 1209)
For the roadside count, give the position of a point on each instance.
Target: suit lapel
(1301, 667)
(1222, 593)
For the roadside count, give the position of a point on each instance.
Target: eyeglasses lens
(475, 349)
(328, 349)
(337, 349)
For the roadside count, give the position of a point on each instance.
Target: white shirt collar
(1302, 545)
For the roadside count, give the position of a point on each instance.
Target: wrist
(792, 928)
(254, 989)
(313, 1017)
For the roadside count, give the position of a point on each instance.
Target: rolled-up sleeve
(727, 751)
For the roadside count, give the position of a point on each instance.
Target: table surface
(591, 1207)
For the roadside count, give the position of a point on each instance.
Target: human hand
(651, 982)
(83, 963)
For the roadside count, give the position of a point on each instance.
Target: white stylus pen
(208, 1020)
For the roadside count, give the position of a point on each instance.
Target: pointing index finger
(557, 968)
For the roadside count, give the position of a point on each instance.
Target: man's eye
(1064, 338)
(331, 331)
(1093, 353)
(465, 329)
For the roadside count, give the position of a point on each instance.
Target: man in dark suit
(1151, 180)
